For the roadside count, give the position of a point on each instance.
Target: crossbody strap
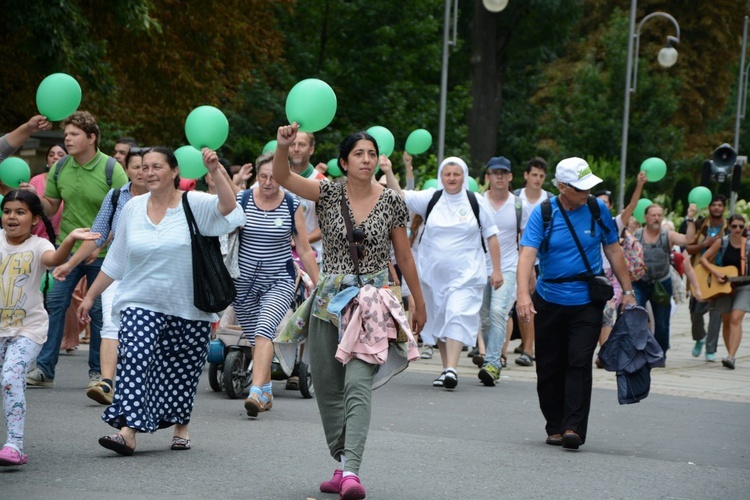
(578, 243)
(350, 234)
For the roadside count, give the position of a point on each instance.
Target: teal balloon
(270, 147)
(14, 171)
(190, 162)
(418, 142)
(333, 168)
(640, 209)
(384, 138)
(58, 96)
(655, 169)
(312, 104)
(473, 186)
(701, 196)
(48, 280)
(1, 198)
(206, 127)
(430, 183)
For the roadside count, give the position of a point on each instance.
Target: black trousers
(566, 337)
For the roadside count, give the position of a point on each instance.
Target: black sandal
(180, 443)
(116, 443)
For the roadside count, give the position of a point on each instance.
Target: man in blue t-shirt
(567, 323)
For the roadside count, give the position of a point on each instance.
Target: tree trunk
(487, 64)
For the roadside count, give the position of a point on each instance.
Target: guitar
(710, 286)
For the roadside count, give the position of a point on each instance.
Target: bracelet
(629, 292)
(689, 220)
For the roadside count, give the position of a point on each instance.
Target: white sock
(343, 461)
(451, 369)
(349, 473)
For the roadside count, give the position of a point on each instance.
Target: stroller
(230, 355)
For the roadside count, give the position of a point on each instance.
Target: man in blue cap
(510, 218)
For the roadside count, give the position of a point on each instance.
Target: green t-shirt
(82, 188)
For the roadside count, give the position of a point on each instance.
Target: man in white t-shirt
(532, 195)
(510, 215)
(299, 161)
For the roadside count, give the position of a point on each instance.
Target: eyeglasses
(737, 226)
(359, 238)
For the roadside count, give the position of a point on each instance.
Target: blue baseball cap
(499, 163)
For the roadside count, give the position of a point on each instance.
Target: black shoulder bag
(213, 288)
(600, 289)
(350, 235)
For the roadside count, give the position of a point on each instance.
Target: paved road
(425, 443)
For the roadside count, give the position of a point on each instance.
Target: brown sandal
(116, 443)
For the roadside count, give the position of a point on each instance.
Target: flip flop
(180, 443)
(116, 443)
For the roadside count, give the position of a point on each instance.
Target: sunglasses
(737, 226)
(576, 189)
(358, 235)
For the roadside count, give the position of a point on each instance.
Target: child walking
(24, 258)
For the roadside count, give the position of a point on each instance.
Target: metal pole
(444, 82)
(740, 90)
(626, 109)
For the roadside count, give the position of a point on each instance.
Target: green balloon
(418, 142)
(312, 104)
(701, 196)
(430, 183)
(58, 96)
(655, 169)
(270, 147)
(640, 210)
(384, 138)
(190, 162)
(333, 168)
(14, 171)
(1, 198)
(206, 127)
(473, 186)
(49, 280)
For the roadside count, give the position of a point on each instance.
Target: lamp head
(495, 5)
(668, 54)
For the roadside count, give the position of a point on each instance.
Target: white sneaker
(427, 352)
(94, 379)
(38, 379)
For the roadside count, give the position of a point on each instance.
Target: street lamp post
(741, 105)
(667, 58)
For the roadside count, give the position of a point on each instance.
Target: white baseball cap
(577, 173)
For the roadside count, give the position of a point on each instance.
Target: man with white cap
(567, 321)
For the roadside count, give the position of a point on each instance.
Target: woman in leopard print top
(343, 392)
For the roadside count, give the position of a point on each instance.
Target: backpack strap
(546, 207)
(475, 208)
(519, 214)
(115, 200)
(430, 205)
(289, 199)
(596, 214)
(109, 170)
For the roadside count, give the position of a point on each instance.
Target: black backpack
(474, 208)
(596, 215)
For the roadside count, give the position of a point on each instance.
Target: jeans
(58, 301)
(496, 305)
(643, 292)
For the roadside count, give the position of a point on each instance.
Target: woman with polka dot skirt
(163, 337)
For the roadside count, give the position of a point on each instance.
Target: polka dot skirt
(159, 363)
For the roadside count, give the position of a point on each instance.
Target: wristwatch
(689, 220)
(629, 292)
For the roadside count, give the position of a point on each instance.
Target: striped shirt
(265, 241)
(101, 223)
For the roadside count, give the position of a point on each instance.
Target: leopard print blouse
(388, 213)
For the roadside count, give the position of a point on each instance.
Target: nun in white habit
(451, 264)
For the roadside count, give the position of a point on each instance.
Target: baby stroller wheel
(236, 376)
(216, 377)
(305, 381)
